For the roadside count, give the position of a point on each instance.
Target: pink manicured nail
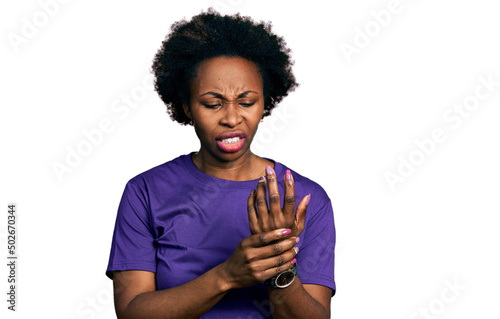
(252, 192)
(293, 261)
(286, 232)
(262, 179)
(296, 250)
(297, 240)
(269, 170)
(288, 175)
(308, 199)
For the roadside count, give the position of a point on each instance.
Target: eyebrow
(219, 96)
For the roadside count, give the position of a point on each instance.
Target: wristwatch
(284, 279)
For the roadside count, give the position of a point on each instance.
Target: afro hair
(210, 35)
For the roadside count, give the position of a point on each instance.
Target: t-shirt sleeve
(133, 245)
(316, 257)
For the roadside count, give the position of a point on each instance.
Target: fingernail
(296, 250)
(288, 175)
(308, 199)
(293, 261)
(297, 239)
(269, 170)
(262, 179)
(286, 232)
(252, 192)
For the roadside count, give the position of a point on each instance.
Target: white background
(347, 125)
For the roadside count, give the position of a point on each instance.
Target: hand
(261, 219)
(260, 257)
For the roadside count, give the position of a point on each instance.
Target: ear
(187, 111)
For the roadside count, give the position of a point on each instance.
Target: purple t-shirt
(179, 222)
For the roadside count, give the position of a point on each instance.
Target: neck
(247, 167)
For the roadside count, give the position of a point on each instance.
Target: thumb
(300, 216)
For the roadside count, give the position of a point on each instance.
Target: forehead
(228, 75)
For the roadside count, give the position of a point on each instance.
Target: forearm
(189, 300)
(295, 302)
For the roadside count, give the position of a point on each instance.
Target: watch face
(285, 279)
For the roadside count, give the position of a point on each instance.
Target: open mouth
(231, 141)
(231, 145)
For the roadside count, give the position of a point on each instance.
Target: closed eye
(247, 104)
(211, 106)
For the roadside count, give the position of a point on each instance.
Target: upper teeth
(231, 140)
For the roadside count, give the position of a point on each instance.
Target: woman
(197, 236)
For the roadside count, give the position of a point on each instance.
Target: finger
(263, 239)
(253, 221)
(274, 196)
(283, 258)
(263, 214)
(274, 249)
(274, 271)
(300, 216)
(289, 202)
(275, 261)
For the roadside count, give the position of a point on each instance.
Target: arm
(300, 301)
(253, 261)
(136, 295)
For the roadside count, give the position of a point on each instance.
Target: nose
(231, 116)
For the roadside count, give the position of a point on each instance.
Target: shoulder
(155, 185)
(169, 171)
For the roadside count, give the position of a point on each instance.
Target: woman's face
(226, 106)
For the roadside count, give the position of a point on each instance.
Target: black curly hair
(210, 35)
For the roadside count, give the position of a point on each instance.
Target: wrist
(222, 278)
